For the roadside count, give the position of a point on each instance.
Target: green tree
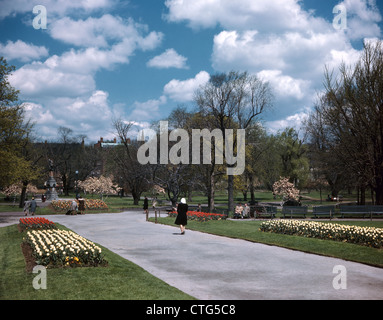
(293, 155)
(14, 133)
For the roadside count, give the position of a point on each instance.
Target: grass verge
(249, 230)
(122, 279)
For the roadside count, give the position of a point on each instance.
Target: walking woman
(146, 205)
(182, 219)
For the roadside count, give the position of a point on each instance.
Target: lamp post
(76, 185)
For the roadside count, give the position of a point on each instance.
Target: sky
(98, 60)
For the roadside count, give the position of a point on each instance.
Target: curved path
(213, 267)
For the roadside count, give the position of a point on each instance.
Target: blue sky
(137, 60)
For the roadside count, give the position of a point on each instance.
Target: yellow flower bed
(366, 236)
(63, 248)
(90, 204)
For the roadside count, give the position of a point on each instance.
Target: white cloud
(169, 59)
(363, 17)
(40, 80)
(61, 91)
(79, 33)
(293, 62)
(285, 85)
(245, 50)
(71, 74)
(299, 55)
(37, 112)
(90, 115)
(22, 51)
(148, 110)
(183, 91)
(263, 15)
(103, 32)
(107, 41)
(280, 41)
(55, 8)
(96, 104)
(294, 121)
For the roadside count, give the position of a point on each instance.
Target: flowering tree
(15, 189)
(102, 185)
(158, 190)
(286, 189)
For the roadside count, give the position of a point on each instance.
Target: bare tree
(350, 118)
(123, 162)
(234, 100)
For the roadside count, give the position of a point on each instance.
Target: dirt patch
(30, 261)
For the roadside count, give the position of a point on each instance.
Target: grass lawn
(116, 203)
(249, 230)
(122, 279)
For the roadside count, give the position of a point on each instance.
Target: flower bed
(366, 236)
(53, 248)
(90, 204)
(200, 216)
(35, 223)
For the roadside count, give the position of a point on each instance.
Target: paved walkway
(213, 267)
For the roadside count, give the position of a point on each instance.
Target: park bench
(265, 211)
(368, 210)
(319, 211)
(354, 211)
(376, 211)
(294, 211)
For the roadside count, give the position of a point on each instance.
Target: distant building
(100, 164)
(107, 143)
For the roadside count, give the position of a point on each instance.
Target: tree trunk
(211, 193)
(65, 184)
(190, 193)
(136, 199)
(173, 198)
(252, 196)
(23, 192)
(230, 193)
(379, 193)
(362, 195)
(372, 196)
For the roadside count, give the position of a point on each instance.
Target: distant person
(146, 205)
(238, 211)
(182, 219)
(26, 207)
(33, 206)
(154, 203)
(81, 205)
(74, 207)
(246, 211)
